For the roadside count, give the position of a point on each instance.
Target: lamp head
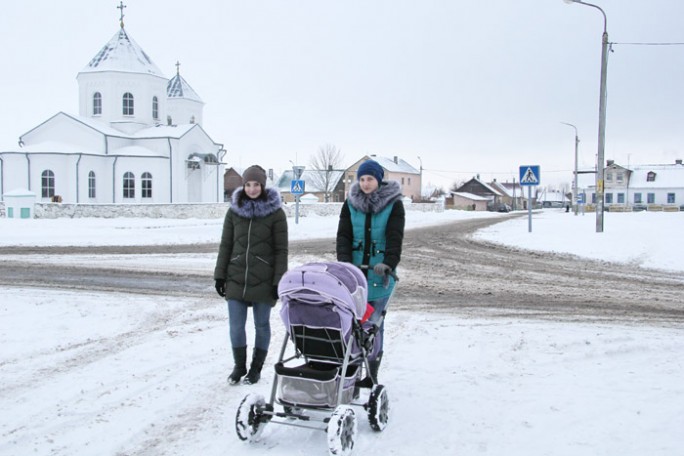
(570, 2)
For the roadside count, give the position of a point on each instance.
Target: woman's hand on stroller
(383, 271)
(220, 287)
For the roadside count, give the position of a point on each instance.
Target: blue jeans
(379, 306)
(237, 319)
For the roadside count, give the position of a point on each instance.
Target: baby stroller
(317, 386)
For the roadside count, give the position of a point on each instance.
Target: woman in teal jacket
(251, 260)
(370, 235)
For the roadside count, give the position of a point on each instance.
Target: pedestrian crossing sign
(529, 175)
(297, 187)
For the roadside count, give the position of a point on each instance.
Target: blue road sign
(297, 187)
(529, 175)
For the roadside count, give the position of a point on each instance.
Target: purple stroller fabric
(324, 296)
(343, 284)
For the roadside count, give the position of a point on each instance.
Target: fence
(184, 211)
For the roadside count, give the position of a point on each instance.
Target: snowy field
(113, 374)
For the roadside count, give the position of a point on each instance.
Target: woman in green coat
(251, 260)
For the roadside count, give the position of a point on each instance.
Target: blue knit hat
(371, 168)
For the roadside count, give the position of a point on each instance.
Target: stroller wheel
(341, 431)
(378, 408)
(250, 419)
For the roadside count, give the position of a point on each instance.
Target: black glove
(220, 287)
(274, 292)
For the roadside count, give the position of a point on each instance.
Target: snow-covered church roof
(122, 53)
(179, 88)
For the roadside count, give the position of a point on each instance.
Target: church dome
(122, 54)
(179, 88)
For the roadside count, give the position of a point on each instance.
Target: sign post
(529, 176)
(297, 188)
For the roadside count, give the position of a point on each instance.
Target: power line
(649, 44)
(514, 171)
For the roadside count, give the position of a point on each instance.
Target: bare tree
(325, 166)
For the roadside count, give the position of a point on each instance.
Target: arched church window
(129, 185)
(91, 184)
(47, 184)
(97, 104)
(146, 185)
(128, 104)
(155, 108)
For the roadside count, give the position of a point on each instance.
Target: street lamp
(602, 117)
(575, 194)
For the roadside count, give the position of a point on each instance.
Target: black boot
(372, 374)
(254, 374)
(375, 367)
(240, 368)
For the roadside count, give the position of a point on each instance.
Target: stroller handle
(390, 273)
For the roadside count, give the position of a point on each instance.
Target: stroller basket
(314, 384)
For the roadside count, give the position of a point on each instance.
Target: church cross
(177, 67)
(121, 7)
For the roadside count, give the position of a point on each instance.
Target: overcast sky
(470, 87)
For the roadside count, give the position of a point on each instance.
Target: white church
(137, 138)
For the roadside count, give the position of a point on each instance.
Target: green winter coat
(253, 252)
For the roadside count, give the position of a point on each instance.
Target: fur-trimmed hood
(387, 193)
(257, 207)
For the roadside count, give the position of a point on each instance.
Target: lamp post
(421, 178)
(602, 117)
(575, 193)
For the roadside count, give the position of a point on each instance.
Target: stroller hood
(341, 284)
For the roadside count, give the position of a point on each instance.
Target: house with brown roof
(473, 195)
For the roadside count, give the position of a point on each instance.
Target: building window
(91, 184)
(670, 198)
(128, 104)
(146, 185)
(593, 198)
(402, 181)
(97, 104)
(650, 198)
(129, 185)
(409, 181)
(621, 198)
(609, 198)
(620, 177)
(155, 108)
(650, 177)
(609, 177)
(47, 184)
(637, 198)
